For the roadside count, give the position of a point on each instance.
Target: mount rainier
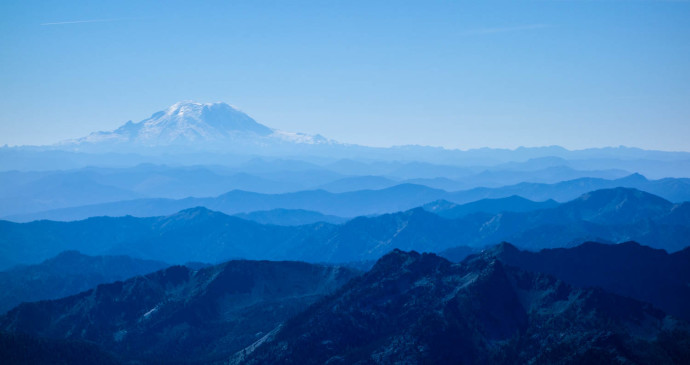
(216, 133)
(192, 125)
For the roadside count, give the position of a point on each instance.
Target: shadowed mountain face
(201, 235)
(178, 314)
(19, 349)
(191, 235)
(616, 206)
(628, 269)
(413, 308)
(680, 214)
(66, 274)
(611, 215)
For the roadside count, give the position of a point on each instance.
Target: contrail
(84, 21)
(506, 29)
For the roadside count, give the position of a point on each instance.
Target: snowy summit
(197, 125)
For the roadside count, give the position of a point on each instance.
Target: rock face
(413, 308)
(179, 314)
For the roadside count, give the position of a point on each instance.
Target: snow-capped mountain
(211, 133)
(216, 126)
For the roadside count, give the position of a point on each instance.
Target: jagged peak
(505, 247)
(634, 177)
(195, 212)
(494, 252)
(399, 262)
(395, 259)
(627, 246)
(397, 254)
(66, 256)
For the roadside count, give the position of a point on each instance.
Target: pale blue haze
(455, 74)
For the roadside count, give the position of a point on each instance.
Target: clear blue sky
(459, 74)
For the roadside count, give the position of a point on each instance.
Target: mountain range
(412, 308)
(180, 315)
(357, 203)
(513, 203)
(408, 308)
(193, 133)
(35, 191)
(148, 244)
(198, 234)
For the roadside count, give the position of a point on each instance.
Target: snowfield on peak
(215, 126)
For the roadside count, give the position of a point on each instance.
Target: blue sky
(459, 74)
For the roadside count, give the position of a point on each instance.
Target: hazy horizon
(459, 75)
(377, 146)
(317, 182)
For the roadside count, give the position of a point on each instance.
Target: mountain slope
(513, 203)
(178, 314)
(41, 192)
(607, 215)
(66, 274)
(616, 206)
(354, 183)
(627, 269)
(413, 308)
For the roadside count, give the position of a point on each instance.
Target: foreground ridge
(179, 314)
(420, 308)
